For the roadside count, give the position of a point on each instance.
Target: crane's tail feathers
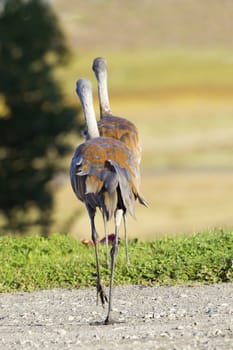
(142, 200)
(123, 178)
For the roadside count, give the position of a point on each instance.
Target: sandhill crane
(116, 127)
(103, 176)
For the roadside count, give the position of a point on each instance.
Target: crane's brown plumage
(104, 175)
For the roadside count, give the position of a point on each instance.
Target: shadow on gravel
(103, 323)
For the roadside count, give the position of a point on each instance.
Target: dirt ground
(178, 317)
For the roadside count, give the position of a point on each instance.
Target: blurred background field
(170, 69)
(171, 72)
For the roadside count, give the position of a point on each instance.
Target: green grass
(34, 262)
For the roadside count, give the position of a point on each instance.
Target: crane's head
(99, 65)
(83, 86)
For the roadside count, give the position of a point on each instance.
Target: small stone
(165, 335)
(179, 327)
(96, 336)
(183, 295)
(61, 332)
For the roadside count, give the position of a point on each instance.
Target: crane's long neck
(103, 94)
(100, 69)
(84, 91)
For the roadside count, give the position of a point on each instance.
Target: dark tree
(34, 119)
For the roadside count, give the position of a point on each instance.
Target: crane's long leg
(126, 238)
(114, 250)
(106, 238)
(99, 287)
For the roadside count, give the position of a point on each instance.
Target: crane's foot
(108, 320)
(101, 294)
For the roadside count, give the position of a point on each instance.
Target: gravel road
(177, 317)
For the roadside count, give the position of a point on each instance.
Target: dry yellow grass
(174, 80)
(186, 168)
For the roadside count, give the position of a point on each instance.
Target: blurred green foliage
(36, 118)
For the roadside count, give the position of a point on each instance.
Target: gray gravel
(177, 317)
